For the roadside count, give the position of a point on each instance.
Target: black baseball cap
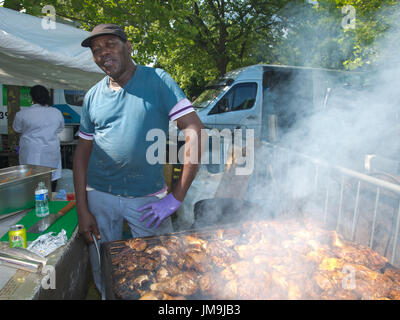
(103, 29)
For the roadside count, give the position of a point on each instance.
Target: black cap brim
(104, 29)
(88, 41)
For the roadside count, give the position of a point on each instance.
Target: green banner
(24, 96)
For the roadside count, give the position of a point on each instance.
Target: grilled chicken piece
(221, 255)
(131, 265)
(136, 244)
(194, 243)
(368, 291)
(184, 284)
(375, 260)
(325, 280)
(379, 285)
(350, 253)
(228, 237)
(162, 251)
(205, 282)
(141, 280)
(394, 274)
(155, 295)
(318, 255)
(132, 284)
(166, 272)
(237, 270)
(263, 246)
(177, 259)
(172, 243)
(197, 261)
(152, 295)
(331, 264)
(146, 261)
(339, 294)
(210, 285)
(394, 292)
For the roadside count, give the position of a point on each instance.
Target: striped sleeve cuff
(180, 109)
(86, 136)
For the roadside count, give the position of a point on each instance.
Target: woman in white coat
(39, 125)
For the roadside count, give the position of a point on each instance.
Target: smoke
(300, 176)
(356, 119)
(353, 116)
(361, 115)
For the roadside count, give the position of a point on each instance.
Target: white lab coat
(39, 143)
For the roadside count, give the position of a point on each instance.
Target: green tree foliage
(375, 21)
(319, 35)
(197, 41)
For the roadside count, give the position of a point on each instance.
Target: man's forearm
(181, 187)
(192, 158)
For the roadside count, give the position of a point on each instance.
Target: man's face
(111, 54)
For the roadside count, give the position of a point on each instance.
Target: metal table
(67, 276)
(67, 153)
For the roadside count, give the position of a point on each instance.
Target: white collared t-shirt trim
(182, 108)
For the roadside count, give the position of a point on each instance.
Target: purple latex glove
(160, 210)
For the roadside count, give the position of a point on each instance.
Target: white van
(69, 102)
(268, 98)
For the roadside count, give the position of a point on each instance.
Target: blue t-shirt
(118, 122)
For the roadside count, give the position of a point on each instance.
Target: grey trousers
(110, 212)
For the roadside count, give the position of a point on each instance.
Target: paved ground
(93, 293)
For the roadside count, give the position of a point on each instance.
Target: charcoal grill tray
(108, 249)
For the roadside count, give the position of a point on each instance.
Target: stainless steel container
(67, 134)
(17, 187)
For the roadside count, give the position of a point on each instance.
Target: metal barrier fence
(333, 191)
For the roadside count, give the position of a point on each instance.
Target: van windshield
(210, 93)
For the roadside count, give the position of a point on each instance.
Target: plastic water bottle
(41, 199)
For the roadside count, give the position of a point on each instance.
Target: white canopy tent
(32, 54)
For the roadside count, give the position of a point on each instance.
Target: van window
(240, 97)
(211, 92)
(74, 97)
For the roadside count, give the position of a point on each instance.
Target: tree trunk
(222, 63)
(12, 108)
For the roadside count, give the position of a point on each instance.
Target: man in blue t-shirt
(114, 180)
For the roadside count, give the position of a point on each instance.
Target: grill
(286, 259)
(323, 242)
